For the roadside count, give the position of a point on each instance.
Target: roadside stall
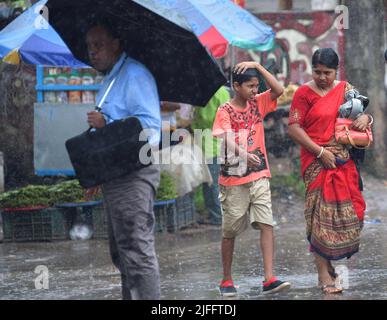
(64, 96)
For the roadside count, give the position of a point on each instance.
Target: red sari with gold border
(334, 206)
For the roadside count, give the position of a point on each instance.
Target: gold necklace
(325, 92)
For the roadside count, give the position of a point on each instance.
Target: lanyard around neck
(99, 107)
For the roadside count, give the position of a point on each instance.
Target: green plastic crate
(165, 216)
(35, 225)
(100, 229)
(94, 216)
(173, 215)
(186, 211)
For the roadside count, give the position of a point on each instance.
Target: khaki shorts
(245, 204)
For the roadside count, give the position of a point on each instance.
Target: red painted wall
(298, 35)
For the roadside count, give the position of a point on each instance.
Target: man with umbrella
(163, 42)
(129, 199)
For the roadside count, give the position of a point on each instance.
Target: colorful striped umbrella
(217, 23)
(31, 39)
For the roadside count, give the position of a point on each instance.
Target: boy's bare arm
(276, 88)
(251, 159)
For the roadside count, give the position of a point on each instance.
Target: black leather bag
(110, 152)
(237, 169)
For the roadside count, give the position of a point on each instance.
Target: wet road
(190, 263)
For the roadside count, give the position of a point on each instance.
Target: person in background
(184, 115)
(168, 122)
(204, 119)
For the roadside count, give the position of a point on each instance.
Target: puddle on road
(190, 264)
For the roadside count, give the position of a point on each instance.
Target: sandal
(327, 289)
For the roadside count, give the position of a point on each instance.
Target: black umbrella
(184, 70)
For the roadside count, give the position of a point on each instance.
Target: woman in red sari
(334, 206)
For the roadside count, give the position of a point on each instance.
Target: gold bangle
(371, 119)
(321, 153)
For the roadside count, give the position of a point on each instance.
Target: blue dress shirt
(134, 94)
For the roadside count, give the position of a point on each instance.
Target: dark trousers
(128, 203)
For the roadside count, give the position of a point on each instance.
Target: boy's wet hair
(246, 76)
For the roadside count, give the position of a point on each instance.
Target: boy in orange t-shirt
(244, 180)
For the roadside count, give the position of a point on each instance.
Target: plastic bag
(185, 162)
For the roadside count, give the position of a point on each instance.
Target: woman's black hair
(327, 57)
(247, 75)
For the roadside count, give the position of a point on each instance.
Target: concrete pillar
(365, 69)
(1, 190)
(1, 172)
